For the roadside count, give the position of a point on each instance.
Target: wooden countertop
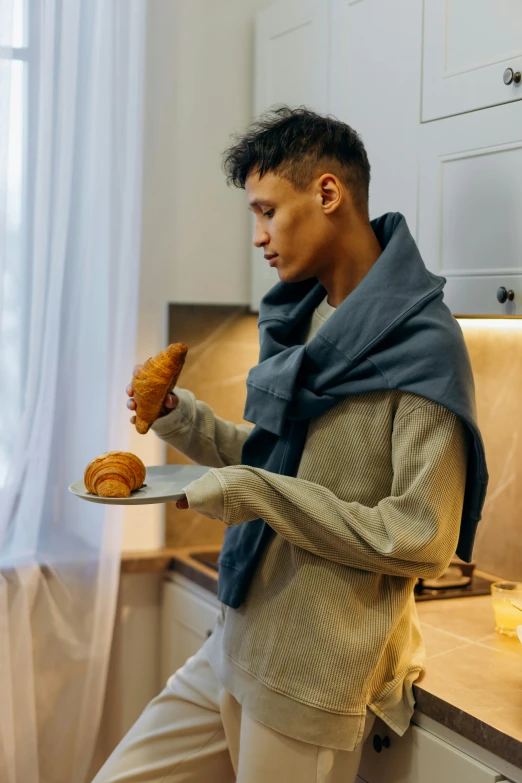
(142, 561)
(473, 680)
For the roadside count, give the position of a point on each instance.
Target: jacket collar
(397, 285)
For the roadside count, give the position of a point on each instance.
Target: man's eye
(269, 213)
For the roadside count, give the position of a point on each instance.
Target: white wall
(196, 231)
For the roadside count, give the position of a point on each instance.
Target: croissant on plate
(114, 475)
(153, 381)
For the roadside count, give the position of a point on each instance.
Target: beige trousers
(196, 732)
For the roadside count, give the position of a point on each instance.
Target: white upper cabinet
(292, 47)
(375, 88)
(424, 86)
(470, 202)
(469, 47)
(291, 66)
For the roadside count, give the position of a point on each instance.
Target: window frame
(27, 54)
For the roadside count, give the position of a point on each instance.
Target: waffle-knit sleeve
(411, 532)
(194, 429)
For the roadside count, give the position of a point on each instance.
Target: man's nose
(261, 238)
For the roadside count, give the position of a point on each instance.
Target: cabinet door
(419, 757)
(291, 66)
(375, 88)
(468, 45)
(470, 203)
(187, 620)
(291, 55)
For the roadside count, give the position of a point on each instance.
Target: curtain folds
(59, 556)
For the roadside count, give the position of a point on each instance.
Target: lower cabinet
(418, 757)
(189, 613)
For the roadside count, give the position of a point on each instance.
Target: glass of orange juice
(507, 616)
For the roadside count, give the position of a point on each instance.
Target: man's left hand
(204, 496)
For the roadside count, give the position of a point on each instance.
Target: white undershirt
(320, 316)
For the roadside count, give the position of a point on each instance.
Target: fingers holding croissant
(153, 380)
(114, 475)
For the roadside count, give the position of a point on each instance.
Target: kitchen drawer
(419, 757)
(477, 295)
(192, 609)
(189, 614)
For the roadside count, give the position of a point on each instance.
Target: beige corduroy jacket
(329, 627)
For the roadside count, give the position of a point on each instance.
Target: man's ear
(331, 192)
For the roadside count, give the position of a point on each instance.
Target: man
(364, 471)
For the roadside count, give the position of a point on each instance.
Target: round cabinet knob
(379, 744)
(503, 294)
(510, 76)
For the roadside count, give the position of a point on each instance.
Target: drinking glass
(507, 616)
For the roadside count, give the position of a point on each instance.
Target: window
(15, 73)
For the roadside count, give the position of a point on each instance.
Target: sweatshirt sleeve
(412, 532)
(195, 430)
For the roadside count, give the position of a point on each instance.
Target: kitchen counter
(204, 576)
(147, 561)
(175, 559)
(473, 680)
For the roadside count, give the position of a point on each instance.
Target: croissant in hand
(114, 475)
(153, 381)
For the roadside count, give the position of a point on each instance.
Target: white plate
(164, 482)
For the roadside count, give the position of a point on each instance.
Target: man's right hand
(170, 402)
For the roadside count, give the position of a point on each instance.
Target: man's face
(290, 225)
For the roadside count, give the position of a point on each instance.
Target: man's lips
(271, 258)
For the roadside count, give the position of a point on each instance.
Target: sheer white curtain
(70, 185)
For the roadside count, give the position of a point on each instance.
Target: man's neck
(351, 262)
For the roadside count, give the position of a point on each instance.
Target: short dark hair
(295, 144)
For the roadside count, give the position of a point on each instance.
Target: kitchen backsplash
(495, 348)
(223, 345)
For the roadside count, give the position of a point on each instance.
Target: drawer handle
(511, 76)
(379, 744)
(503, 294)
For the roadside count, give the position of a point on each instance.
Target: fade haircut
(299, 144)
